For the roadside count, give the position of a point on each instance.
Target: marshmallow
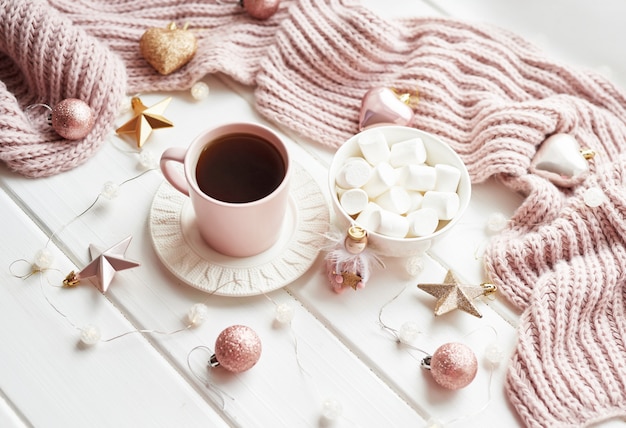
(422, 222)
(448, 178)
(366, 218)
(446, 204)
(383, 177)
(416, 199)
(353, 201)
(409, 152)
(396, 200)
(374, 147)
(417, 177)
(391, 224)
(354, 173)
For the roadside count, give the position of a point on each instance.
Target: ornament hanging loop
(172, 26)
(40, 105)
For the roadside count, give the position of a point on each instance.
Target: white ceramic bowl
(438, 152)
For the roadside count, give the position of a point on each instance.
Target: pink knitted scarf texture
(489, 94)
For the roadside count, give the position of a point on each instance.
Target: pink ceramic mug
(237, 176)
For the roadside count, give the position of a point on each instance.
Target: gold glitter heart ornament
(168, 49)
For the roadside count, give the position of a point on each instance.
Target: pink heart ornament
(381, 106)
(560, 160)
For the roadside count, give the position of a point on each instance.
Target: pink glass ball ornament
(72, 119)
(383, 106)
(452, 365)
(237, 349)
(260, 9)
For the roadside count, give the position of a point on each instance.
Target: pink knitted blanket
(90, 50)
(489, 94)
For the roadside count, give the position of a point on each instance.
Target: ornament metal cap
(409, 98)
(71, 280)
(587, 153)
(357, 233)
(213, 362)
(488, 288)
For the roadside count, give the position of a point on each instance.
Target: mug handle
(176, 179)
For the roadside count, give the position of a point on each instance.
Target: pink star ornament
(104, 264)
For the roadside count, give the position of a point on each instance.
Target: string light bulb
(43, 259)
(284, 313)
(90, 335)
(331, 409)
(109, 190)
(198, 314)
(408, 332)
(199, 91)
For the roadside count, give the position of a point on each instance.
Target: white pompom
(148, 160)
(593, 197)
(494, 354)
(496, 222)
(414, 265)
(109, 190)
(284, 313)
(408, 332)
(199, 91)
(331, 409)
(125, 105)
(43, 259)
(90, 335)
(198, 314)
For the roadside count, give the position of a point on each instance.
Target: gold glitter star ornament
(145, 120)
(452, 295)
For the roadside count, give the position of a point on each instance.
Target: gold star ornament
(145, 120)
(452, 295)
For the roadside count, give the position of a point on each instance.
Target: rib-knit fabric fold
(229, 40)
(489, 94)
(45, 59)
(495, 99)
(90, 50)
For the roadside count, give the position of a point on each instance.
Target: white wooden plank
(50, 379)
(10, 417)
(342, 350)
(152, 299)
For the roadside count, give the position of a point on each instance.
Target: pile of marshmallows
(393, 190)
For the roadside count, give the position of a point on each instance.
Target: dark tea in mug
(239, 168)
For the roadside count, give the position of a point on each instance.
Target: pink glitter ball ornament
(260, 9)
(452, 365)
(72, 119)
(237, 349)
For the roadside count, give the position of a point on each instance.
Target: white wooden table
(334, 348)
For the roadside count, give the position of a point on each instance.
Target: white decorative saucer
(179, 246)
